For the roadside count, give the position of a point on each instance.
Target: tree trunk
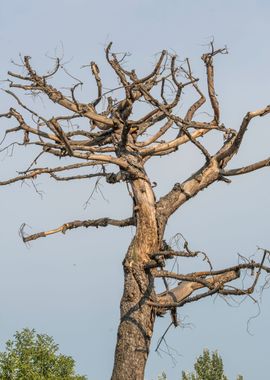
(137, 317)
(136, 326)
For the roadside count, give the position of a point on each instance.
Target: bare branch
(214, 280)
(171, 254)
(117, 68)
(175, 143)
(102, 222)
(231, 147)
(95, 72)
(61, 135)
(208, 60)
(157, 135)
(180, 294)
(181, 193)
(54, 71)
(28, 129)
(194, 107)
(79, 176)
(156, 70)
(247, 169)
(33, 173)
(39, 83)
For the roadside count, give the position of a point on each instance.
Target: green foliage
(208, 367)
(32, 356)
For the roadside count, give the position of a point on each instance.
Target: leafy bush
(35, 356)
(207, 367)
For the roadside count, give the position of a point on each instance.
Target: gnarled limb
(101, 222)
(178, 296)
(214, 280)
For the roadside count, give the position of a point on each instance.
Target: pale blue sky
(70, 286)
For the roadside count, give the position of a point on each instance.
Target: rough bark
(136, 325)
(137, 316)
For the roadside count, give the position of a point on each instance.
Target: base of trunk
(136, 326)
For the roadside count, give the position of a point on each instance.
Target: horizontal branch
(80, 176)
(251, 265)
(213, 280)
(170, 254)
(33, 173)
(101, 222)
(177, 296)
(160, 256)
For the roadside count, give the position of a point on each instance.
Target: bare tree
(116, 146)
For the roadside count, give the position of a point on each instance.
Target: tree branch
(231, 147)
(208, 60)
(39, 83)
(181, 193)
(246, 169)
(102, 222)
(33, 173)
(179, 295)
(213, 280)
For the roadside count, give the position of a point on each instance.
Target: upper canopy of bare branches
(115, 144)
(115, 136)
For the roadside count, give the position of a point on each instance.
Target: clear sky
(70, 286)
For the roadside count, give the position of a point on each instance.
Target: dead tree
(111, 143)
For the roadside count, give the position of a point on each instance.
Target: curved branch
(231, 147)
(95, 72)
(195, 106)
